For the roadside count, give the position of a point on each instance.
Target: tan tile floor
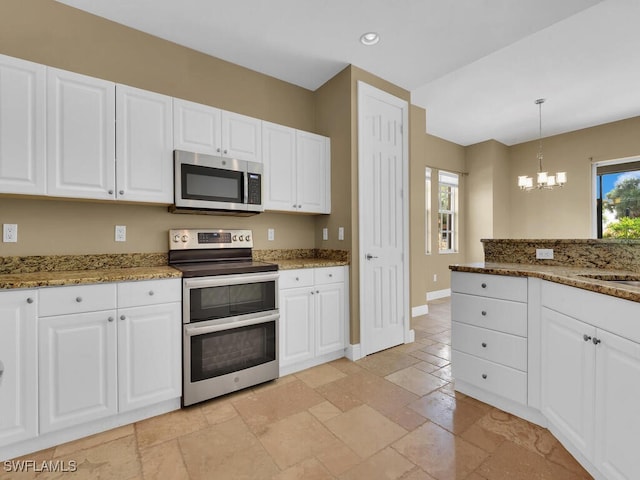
(392, 415)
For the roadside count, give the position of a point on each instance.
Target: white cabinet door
(149, 355)
(18, 366)
(196, 127)
(616, 411)
(279, 158)
(22, 126)
(313, 173)
(80, 136)
(241, 137)
(568, 388)
(77, 369)
(296, 325)
(144, 146)
(330, 318)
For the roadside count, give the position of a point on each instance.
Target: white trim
(436, 294)
(365, 89)
(354, 352)
(313, 362)
(420, 310)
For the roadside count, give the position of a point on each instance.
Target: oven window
(210, 303)
(232, 350)
(213, 184)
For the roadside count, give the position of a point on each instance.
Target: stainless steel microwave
(216, 185)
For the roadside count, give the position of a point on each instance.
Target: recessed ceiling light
(370, 38)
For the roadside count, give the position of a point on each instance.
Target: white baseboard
(354, 352)
(435, 295)
(419, 310)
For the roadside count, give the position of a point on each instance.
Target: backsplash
(59, 263)
(587, 253)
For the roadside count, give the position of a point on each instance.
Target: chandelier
(544, 180)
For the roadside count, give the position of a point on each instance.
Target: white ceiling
(476, 66)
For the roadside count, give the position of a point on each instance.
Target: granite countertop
(594, 279)
(309, 262)
(289, 259)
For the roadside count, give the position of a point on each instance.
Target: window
(448, 212)
(618, 199)
(427, 213)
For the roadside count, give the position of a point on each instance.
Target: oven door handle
(224, 280)
(192, 331)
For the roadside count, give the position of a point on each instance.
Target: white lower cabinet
(97, 363)
(313, 317)
(18, 366)
(591, 377)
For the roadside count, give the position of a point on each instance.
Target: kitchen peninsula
(556, 341)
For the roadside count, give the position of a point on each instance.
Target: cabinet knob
(78, 299)
(330, 275)
(218, 149)
(29, 300)
(110, 319)
(586, 337)
(122, 317)
(121, 192)
(299, 206)
(484, 375)
(312, 292)
(294, 206)
(151, 292)
(1, 369)
(484, 285)
(484, 313)
(596, 341)
(484, 344)
(110, 192)
(317, 291)
(297, 279)
(225, 151)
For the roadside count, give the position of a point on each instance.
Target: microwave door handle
(246, 187)
(192, 331)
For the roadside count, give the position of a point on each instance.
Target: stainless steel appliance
(229, 312)
(216, 185)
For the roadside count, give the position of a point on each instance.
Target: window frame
(451, 182)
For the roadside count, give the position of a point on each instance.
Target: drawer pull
(1, 368)
(484, 313)
(596, 341)
(122, 317)
(110, 319)
(29, 300)
(151, 292)
(330, 275)
(297, 279)
(586, 337)
(484, 345)
(484, 285)
(484, 375)
(78, 299)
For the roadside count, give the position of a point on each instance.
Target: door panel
(382, 220)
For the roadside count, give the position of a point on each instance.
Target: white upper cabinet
(203, 129)
(22, 135)
(80, 135)
(279, 157)
(297, 170)
(144, 147)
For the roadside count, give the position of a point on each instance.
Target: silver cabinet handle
(1, 369)
(110, 319)
(369, 256)
(484, 313)
(596, 341)
(484, 285)
(586, 337)
(484, 375)
(484, 345)
(29, 300)
(151, 292)
(225, 151)
(122, 317)
(297, 279)
(121, 192)
(218, 149)
(78, 299)
(110, 192)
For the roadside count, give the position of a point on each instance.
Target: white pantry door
(383, 213)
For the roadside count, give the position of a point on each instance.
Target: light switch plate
(10, 233)
(340, 233)
(325, 233)
(121, 233)
(271, 234)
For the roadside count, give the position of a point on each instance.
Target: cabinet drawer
(495, 346)
(76, 299)
(504, 381)
(149, 292)
(502, 315)
(495, 286)
(302, 277)
(328, 275)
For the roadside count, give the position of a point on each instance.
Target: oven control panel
(188, 239)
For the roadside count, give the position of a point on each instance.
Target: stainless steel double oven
(230, 312)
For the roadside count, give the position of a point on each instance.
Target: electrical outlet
(544, 253)
(271, 234)
(325, 233)
(435, 277)
(340, 233)
(121, 233)
(10, 232)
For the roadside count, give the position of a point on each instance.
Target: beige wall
(53, 34)
(566, 212)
